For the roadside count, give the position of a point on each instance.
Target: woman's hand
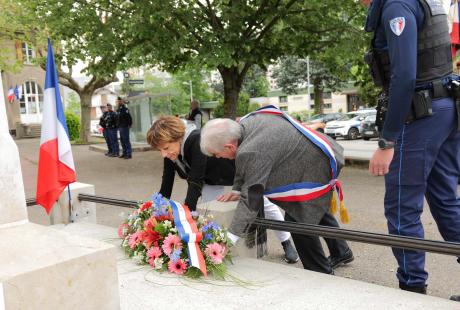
(229, 197)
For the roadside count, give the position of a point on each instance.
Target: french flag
(10, 94)
(56, 168)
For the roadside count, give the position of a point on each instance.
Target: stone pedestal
(82, 211)
(223, 214)
(42, 268)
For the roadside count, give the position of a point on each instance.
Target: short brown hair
(166, 129)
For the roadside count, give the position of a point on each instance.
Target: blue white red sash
(189, 233)
(304, 191)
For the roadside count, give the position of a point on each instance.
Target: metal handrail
(403, 242)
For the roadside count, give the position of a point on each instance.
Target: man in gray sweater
(271, 153)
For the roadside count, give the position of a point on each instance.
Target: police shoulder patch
(397, 25)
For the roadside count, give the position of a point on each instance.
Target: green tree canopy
(232, 36)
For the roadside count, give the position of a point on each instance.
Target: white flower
(167, 224)
(158, 262)
(173, 230)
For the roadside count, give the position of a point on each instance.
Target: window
(327, 105)
(327, 95)
(27, 53)
(283, 99)
(31, 101)
(284, 109)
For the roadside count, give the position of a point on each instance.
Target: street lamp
(191, 90)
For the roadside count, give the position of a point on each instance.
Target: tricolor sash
(189, 233)
(305, 191)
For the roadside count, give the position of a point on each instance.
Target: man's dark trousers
(425, 163)
(106, 135)
(113, 134)
(125, 143)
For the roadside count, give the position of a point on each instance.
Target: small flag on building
(10, 94)
(56, 167)
(18, 92)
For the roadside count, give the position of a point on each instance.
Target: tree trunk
(319, 101)
(85, 122)
(232, 87)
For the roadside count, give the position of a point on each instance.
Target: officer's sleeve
(196, 175)
(167, 181)
(401, 32)
(252, 168)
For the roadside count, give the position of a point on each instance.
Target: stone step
(266, 286)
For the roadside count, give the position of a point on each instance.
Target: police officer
(103, 124)
(125, 122)
(419, 147)
(112, 130)
(195, 115)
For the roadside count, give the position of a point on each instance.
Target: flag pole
(71, 211)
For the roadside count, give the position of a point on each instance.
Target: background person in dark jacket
(206, 176)
(112, 130)
(103, 124)
(124, 123)
(195, 115)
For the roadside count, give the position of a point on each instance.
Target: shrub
(73, 124)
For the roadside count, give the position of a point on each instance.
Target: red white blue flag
(10, 94)
(189, 233)
(56, 167)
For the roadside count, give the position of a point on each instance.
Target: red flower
(145, 206)
(150, 237)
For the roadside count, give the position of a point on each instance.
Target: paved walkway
(139, 177)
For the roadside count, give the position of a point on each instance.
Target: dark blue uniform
(124, 121)
(112, 130)
(426, 160)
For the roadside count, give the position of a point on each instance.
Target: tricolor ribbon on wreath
(189, 233)
(305, 191)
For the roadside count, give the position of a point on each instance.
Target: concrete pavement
(139, 177)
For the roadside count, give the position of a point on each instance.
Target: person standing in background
(195, 115)
(103, 124)
(125, 122)
(112, 130)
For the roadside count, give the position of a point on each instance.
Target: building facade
(24, 111)
(333, 101)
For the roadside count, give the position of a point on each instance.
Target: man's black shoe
(113, 155)
(107, 154)
(122, 156)
(455, 297)
(290, 254)
(415, 289)
(127, 157)
(339, 261)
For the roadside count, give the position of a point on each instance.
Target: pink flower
(123, 230)
(135, 239)
(171, 243)
(215, 252)
(178, 267)
(154, 252)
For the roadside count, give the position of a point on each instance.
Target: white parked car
(349, 126)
